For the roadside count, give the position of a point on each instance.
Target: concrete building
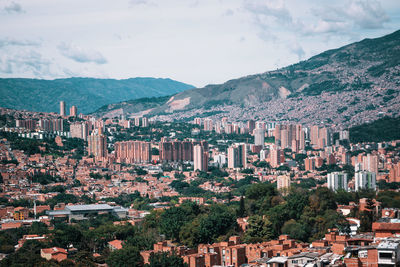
(200, 158)
(145, 122)
(251, 125)
(176, 151)
(283, 182)
(276, 157)
(394, 173)
(51, 125)
(365, 180)
(389, 253)
(208, 125)
(79, 130)
(370, 163)
(259, 137)
(237, 156)
(220, 159)
(337, 181)
(62, 109)
(97, 145)
(73, 111)
(263, 154)
(133, 151)
(82, 212)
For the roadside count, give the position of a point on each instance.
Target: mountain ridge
(88, 94)
(343, 79)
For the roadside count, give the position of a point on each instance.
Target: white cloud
(367, 14)
(345, 17)
(26, 61)
(297, 49)
(81, 55)
(18, 42)
(13, 8)
(198, 42)
(265, 12)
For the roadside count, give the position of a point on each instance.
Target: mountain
(88, 94)
(349, 85)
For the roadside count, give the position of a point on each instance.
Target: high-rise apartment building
(51, 125)
(237, 156)
(27, 124)
(220, 159)
(145, 122)
(251, 125)
(133, 151)
(197, 121)
(62, 109)
(175, 151)
(224, 121)
(370, 163)
(285, 135)
(73, 111)
(260, 125)
(276, 157)
(200, 158)
(337, 181)
(394, 173)
(137, 121)
(283, 182)
(259, 137)
(263, 154)
(208, 125)
(365, 180)
(97, 145)
(79, 130)
(320, 137)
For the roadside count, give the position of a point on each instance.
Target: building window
(385, 255)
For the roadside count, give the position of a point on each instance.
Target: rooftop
(389, 244)
(89, 207)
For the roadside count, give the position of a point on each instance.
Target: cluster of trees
(303, 214)
(86, 240)
(29, 146)
(32, 146)
(44, 178)
(98, 176)
(191, 224)
(384, 129)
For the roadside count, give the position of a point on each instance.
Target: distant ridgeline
(384, 129)
(88, 94)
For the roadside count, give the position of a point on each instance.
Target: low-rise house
(54, 253)
(115, 244)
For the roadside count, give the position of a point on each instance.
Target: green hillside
(385, 129)
(88, 94)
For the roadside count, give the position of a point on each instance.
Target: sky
(198, 42)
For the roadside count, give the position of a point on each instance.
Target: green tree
(295, 230)
(242, 209)
(164, 259)
(126, 257)
(217, 223)
(259, 230)
(28, 255)
(367, 216)
(174, 218)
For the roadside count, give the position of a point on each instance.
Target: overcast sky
(194, 41)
